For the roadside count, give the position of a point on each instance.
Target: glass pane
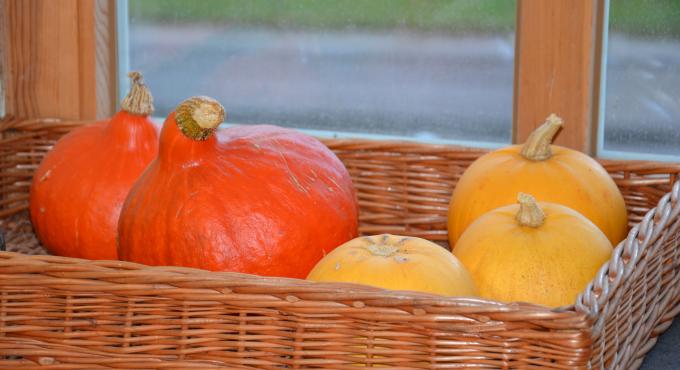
(642, 111)
(435, 70)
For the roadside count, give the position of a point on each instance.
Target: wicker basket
(63, 313)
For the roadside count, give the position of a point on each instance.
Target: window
(642, 104)
(436, 71)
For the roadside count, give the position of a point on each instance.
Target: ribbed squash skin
(255, 199)
(79, 188)
(396, 262)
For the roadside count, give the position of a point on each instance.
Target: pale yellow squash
(542, 253)
(549, 172)
(395, 262)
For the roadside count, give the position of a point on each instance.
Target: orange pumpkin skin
(254, 199)
(538, 252)
(396, 262)
(566, 177)
(569, 178)
(79, 188)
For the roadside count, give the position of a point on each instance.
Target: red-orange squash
(80, 186)
(255, 199)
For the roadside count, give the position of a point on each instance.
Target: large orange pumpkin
(79, 188)
(542, 253)
(549, 172)
(255, 199)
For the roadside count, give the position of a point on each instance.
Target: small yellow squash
(395, 262)
(549, 172)
(542, 253)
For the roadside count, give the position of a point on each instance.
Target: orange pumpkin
(396, 262)
(79, 188)
(549, 172)
(255, 199)
(542, 253)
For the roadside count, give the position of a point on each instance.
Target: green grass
(645, 17)
(424, 15)
(640, 17)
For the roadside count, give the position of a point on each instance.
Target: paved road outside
(414, 85)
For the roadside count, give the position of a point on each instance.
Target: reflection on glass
(423, 69)
(642, 108)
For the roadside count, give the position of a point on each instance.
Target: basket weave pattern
(66, 313)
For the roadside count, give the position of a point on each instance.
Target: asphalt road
(420, 86)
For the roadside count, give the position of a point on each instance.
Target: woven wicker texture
(66, 313)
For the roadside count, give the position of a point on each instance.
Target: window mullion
(558, 46)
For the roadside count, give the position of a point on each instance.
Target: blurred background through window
(642, 105)
(431, 70)
(436, 70)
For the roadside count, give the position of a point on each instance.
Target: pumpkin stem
(382, 250)
(537, 146)
(199, 116)
(139, 100)
(382, 247)
(529, 214)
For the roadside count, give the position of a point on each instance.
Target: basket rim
(115, 271)
(8, 123)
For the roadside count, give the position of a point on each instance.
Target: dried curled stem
(537, 146)
(529, 214)
(139, 100)
(199, 116)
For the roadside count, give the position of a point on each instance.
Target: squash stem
(383, 250)
(529, 214)
(199, 116)
(139, 100)
(537, 146)
(382, 245)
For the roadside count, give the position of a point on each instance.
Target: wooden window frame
(558, 64)
(59, 59)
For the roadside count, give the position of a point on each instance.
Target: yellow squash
(542, 253)
(549, 172)
(395, 262)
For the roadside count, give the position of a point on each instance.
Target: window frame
(58, 58)
(557, 51)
